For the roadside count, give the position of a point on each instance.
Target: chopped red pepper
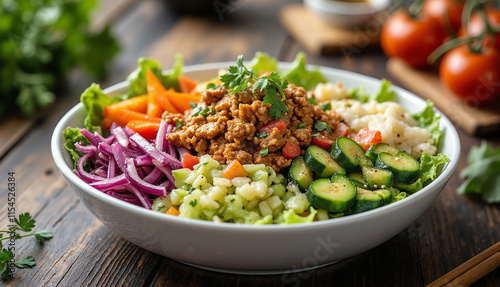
(322, 141)
(341, 130)
(279, 124)
(189, 161)
(366, 138)
(291, 150)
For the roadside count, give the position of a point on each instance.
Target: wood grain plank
(11, 130)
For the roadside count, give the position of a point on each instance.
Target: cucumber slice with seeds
(374, 150)
(321, 162)
(336, 195)
(366, 200)
(404, 167)
(300, 174)
(348, 153)
(357, 178)
(377, 178)
(385, 194)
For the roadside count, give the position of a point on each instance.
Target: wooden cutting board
(426, 84)
(320, 37)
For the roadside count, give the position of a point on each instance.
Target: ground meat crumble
(227, 131)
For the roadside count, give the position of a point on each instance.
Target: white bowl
(251, 249)
(347, 14)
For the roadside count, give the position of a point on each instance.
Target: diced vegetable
(291, 150)
(366, 200)
(300, 173)
(336, 195)
(181, 101)
(123, 117)
(367, 138)
(348, 153)
(377, 178)
(321, 162)
(322, 141)
(374, 150)
(341, 130)
(404, 167)
(234, 169)
(189, 161)
(172, 211)
(186, 84)
(137, 104)
(157, 91)
(147, 129)
(268, 128)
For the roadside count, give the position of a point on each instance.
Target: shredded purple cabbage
(129, 167)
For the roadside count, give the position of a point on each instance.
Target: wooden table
(84, 252)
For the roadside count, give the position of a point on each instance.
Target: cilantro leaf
(481, 173)
(25, 222)
(278, 108)
(320, 126)
(28, 261)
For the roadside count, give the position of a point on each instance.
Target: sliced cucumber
(357, 178)
(377, 177)
(321, 162)
(348, 153)
(402, 165)
(366, 200)
(385, 194)
(374, 150)
(300, 174)
(336, 195)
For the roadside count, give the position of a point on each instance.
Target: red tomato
(291, 150)
(474, 77)
(411, 39)
(322, 141)
(447, 12)
(476, 27)
(366, 138)
(189, 161)
(279, 124)
(341, 130)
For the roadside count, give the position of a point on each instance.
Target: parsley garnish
(178, 124)
(326, 107)
(26, 224)
(203, 111)
(193, 105)
(191, 189)
(193, 202)
(315, 135)
(212, 86)
(319, 126)
(301, 125)
(312, 101)
(238, 77)
(264, 151)
(261, 135)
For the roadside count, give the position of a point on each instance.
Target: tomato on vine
(477, 26)
(447, 12)
(411, 38)
(473, 76)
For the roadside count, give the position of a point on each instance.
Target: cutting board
(320, 37)
(474, 120)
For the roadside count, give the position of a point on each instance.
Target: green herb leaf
(193, 203)
(193, 105)
(261, 135)
(25, 222)
(320, 126)
(28, 261)
(264, 151)
(178, 124)
(42, 235)
(301, 125)
(312, 101)
(326, 107)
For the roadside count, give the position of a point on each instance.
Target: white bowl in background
(348, 14)
(248, 249)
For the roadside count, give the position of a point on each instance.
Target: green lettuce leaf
(94, 101)
(384, 94)
(137, 79)
(72, 136)
(481, 173)
(409, 187)
(429, 166)
(298, 74)
(397, 195)
(428, 120)
(262, 62)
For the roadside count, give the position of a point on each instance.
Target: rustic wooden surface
(84, 252)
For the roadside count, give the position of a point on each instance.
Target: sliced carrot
(189, 161)
(138, 104)
(234, 169)
(172, 211)
(366, 138)
(156, 90)
(181, 100)
(122, 117)
(147, 129)
(187, 84)
(154, 109)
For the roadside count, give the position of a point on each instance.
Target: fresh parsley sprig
(238, 77)
(24, 223)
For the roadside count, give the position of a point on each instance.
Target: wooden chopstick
(471, 270)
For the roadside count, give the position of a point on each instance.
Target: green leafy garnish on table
(482, 173)
(24, 223)
(40, 42)
(238, 78)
